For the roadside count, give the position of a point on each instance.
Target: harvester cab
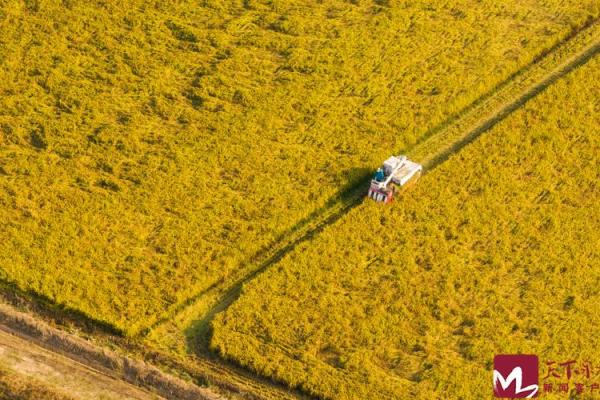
(396, 172)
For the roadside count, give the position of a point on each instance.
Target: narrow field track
(61, 360)
(78, 380)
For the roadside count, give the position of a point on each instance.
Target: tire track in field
(433, 150)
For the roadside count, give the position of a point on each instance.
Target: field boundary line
(458, 131)
(44, 360)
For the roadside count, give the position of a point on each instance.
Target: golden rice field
(149, 150)
(495, 251)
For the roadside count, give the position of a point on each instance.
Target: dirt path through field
(79, 381)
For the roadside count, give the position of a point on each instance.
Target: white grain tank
(397, 171)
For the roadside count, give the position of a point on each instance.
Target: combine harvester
(396, 172)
